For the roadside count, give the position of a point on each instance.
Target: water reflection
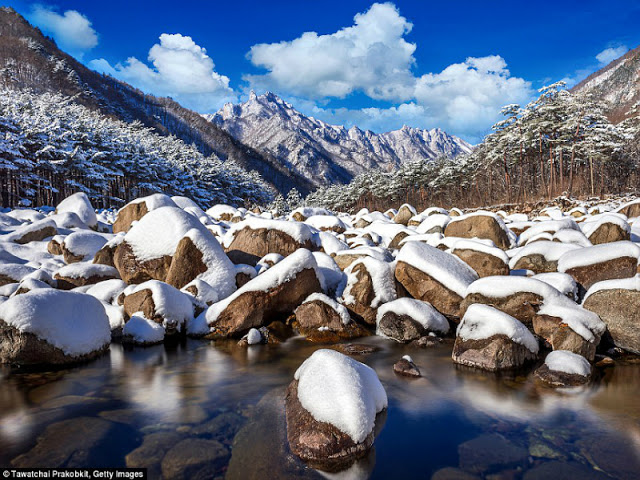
(158, 398)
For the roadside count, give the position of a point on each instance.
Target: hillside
(30, 60)
(328, 153)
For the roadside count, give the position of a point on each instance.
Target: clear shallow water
(203, 410)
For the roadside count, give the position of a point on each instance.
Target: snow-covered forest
(561, 143)
(51, 147)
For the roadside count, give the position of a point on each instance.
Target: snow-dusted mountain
(617, 84)
(327, 153)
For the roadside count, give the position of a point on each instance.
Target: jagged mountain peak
(323, 152)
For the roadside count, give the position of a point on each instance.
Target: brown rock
(130, 213)
(620, 310)
(631, 210)
(186, 264)
(495, 353)
(607, 233)
(194, 458)
(481, 226)
(404, 215)
(141, 301)
(53, 247)
(133, 270)
(559, 379)
(622, 267)
(561, 337)
(23, 348)
(320, 444)
(523, 306)
(406, 368)
(69, 283)
(401, 328)
(242, 279)
(253, 309)
(422, 287)
(105, 255)
(537, 263)
(249, 245)
(395, 242)
(311, 316)
(37, 235)
(485, 264)
(363, 294)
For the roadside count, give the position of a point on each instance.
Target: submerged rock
(489, 453)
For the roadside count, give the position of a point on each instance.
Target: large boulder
(322, 319)
(405, 212)
(81, 274)
(601, 262)
(33, 232)
(485, 225)
(250, 240)
(270, 296)
(631, 209)
(344, 258)
(81, 246)
(370, 283)
(562, 368)
(161, 303)
(433, 276)
(617, 303)
(147, 249)
(14, 273)
(569, 327)
(485, 260)
(492, 340)
(541, 256)
(79, 204)
(407, 319)
(607, 228)
(138, 208)
(331, 410)
(47, 326)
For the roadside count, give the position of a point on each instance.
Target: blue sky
(376, 65)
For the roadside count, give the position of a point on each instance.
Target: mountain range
(327, 153)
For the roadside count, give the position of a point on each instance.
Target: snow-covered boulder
(321, 319)
(33, 232)
(551, 227)
(617, 303)
(326, 223)
(250, 240)
(47, 326)
(407, 319)
(492, 340)
(79, 204)
(562, 282)
(148, 248)
(480, 225)
(484, 259)
(434, 276)
(160, 303)
(81, 274)
(541, 256)
(519, 297)
(631, 209)
(405, 212)
(198, 255)
(601, 262)
(370, 284)
(302, 213)
(435, 223)
(222, 212)
(276, 292)
(138, 208)
(562, 368)
(14, 272)
(606, 228)
(105, 255)
(82, 245)
(140, 330)
(268, 261)
(344, 258)
(331, 410)
(567, 326)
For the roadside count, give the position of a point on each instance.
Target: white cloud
(72, 30)
(465, 98)
(608, 55)
(371, 56)
(181, 69)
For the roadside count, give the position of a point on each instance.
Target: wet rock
(480, 225)
(69, 443)
(401, 328)
(489, 453)
(320, 322)
(149, 455)
(498, 352)
(356, 348)
(222, 427)
(559, 379)
(194, 458)
(406, 367)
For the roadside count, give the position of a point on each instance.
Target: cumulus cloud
(181, 70)
(466, 97)
(371, 56)
(71, 30)
(608, 55)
